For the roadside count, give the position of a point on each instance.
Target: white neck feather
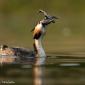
(41, 56)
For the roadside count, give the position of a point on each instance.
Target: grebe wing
(23, 52)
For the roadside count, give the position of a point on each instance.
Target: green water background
(18, 17)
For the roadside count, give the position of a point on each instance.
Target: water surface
(58, 70)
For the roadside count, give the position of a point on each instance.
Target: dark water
(57, 71)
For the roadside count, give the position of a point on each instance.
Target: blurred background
(18, 17)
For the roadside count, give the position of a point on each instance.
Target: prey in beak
(47, 19)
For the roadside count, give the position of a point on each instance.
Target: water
(58, 70)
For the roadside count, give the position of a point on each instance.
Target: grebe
(5, 50)
(38, 33)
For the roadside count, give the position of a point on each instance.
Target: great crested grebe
(38, 33)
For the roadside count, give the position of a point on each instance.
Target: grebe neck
(40, 53)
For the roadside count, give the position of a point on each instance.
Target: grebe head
(47, 20)
(39, 29)
(3, 47)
